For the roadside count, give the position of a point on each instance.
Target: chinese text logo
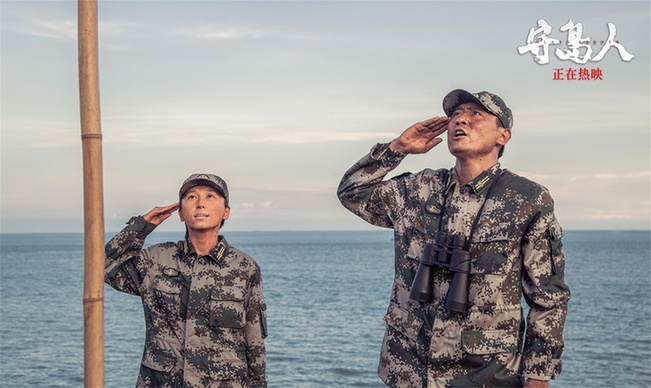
(579, 49)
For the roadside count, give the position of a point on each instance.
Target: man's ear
(227, 213)
(180, 213)
(504, 137)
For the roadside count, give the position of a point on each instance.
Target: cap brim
(200, 182)
(457, 97)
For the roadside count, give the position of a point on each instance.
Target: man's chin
(202, 228)
(457, 151)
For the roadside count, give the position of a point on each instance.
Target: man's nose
(461, 119)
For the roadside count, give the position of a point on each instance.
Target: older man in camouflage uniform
(514, 249)
(203, 300)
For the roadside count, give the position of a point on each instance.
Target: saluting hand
(160, 213)
(421, 137)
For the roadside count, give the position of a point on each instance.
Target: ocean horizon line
(295, 231)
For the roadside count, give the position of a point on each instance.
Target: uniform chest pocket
(429, 218)
(227, 307)
(167, 293)
(493, 255)
(425, 224)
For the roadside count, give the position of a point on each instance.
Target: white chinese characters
(579, 49)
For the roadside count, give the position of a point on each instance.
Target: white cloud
(212, 31)
(25, 20)
(599, 215)
(266, 205)
(58, 29)
(148, 132)
(625, 176)
(592, 200)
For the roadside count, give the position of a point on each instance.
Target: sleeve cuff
(140, 227)
(382, 151)
(553, 369)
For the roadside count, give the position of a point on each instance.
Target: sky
(281, 98)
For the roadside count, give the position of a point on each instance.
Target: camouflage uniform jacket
(205, 315)
(515, 249)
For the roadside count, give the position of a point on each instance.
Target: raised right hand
(421, 137)
(160, 213)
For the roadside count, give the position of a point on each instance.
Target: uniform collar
(216, 254)
(479, 185)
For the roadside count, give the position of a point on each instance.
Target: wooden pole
(91, 139)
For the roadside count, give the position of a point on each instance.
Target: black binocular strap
(481, 209)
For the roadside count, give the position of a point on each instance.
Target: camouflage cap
(202, 179)
(492, 102)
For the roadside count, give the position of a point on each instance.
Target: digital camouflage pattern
(205, 316)
(516, 249)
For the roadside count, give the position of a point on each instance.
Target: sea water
(326, 293)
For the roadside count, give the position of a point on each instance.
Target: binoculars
(447, 251)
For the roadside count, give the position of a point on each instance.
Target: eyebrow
(472, 106)
(194, 190)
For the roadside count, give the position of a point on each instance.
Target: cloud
(22, 18)
(599, 215)
(629, 175)
(148, 132)
(266, 205)
(25, 20)
(192, 30)
(40, 134)
(22, 21)
(597, 177)
(216, 32)
(65, 29)
(121, 28)
(591, 200)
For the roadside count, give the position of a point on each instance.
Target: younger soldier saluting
(205, 312)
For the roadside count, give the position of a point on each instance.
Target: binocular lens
(446, 252)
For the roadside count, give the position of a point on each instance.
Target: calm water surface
(326, 293)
